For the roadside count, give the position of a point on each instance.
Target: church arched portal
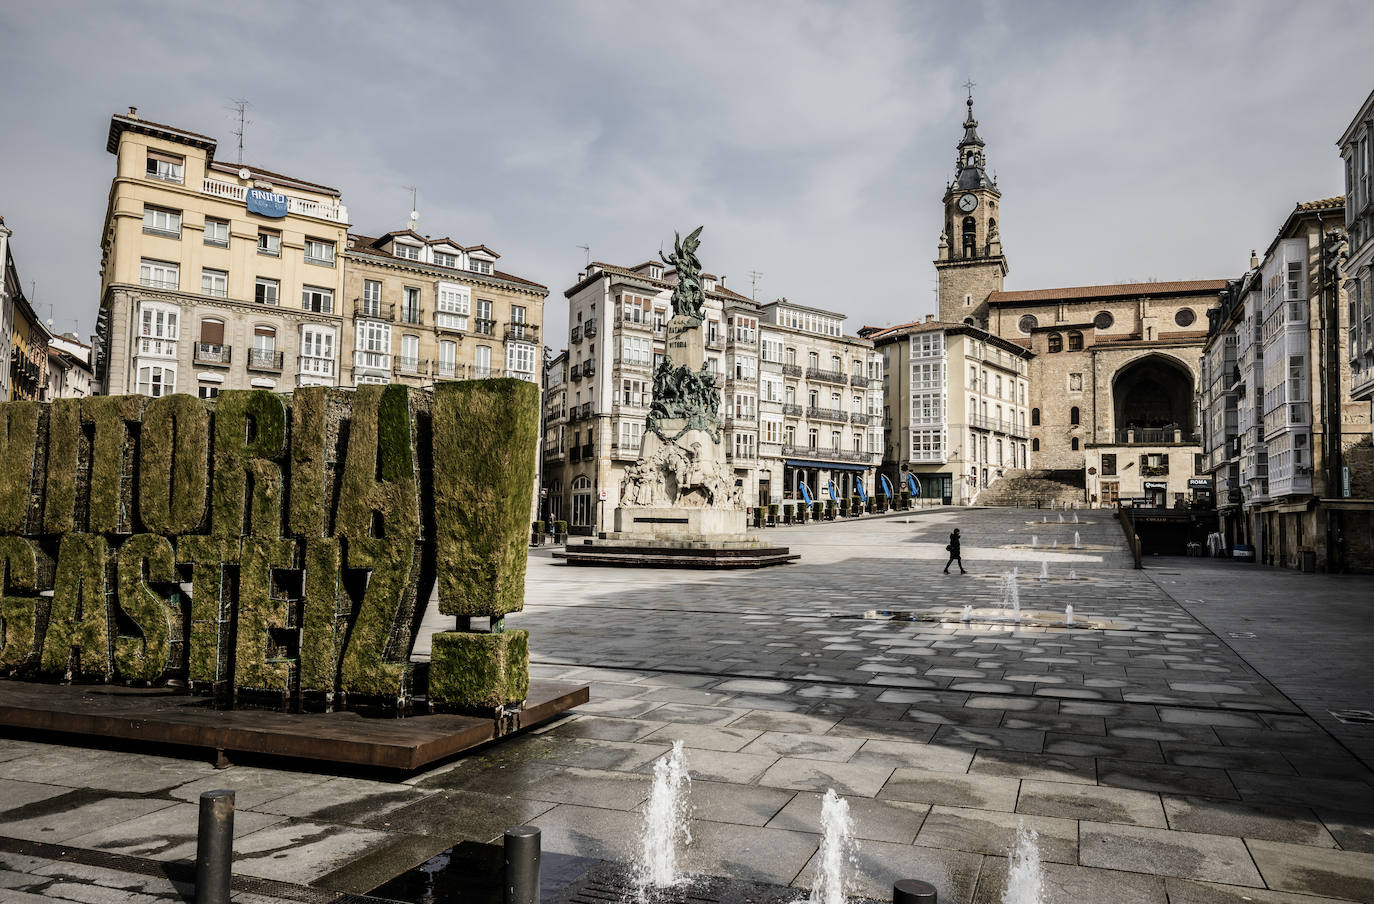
(1153, 394)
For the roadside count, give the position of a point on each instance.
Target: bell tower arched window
(1073, 415)
(1035, 417)
(1056, 342)
(1035, 445)
(970, 242)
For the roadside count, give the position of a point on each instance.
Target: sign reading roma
(274, 549)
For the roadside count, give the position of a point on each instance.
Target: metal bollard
(214, 847)
(913, 891)
(522, 865)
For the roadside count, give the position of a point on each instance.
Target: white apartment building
(956, 407)
(800, 401)
(821, 401)
(1287, 402)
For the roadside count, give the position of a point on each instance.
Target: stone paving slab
(1187, 855)
(1155, 753)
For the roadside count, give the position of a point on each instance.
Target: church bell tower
(970, 263)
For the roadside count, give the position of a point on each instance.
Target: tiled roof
(121, 122)
(366, 244)
(257, 172)
(1124, 290)
(1338, 201)
(915, 326)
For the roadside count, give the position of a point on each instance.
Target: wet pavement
(1168, 757)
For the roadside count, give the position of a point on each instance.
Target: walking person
(954, 556)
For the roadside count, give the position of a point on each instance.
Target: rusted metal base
(158, 717)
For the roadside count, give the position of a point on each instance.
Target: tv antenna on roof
(240, 106)
(414, 206)
(754, 277)
(587, 254)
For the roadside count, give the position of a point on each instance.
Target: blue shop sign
(266, 203)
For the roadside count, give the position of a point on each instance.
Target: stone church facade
(1115, 367)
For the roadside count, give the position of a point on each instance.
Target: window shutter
(212, 332)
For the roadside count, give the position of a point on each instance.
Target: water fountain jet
(836, 852)
(666, 826)
(1024, 880)
(1075, 540)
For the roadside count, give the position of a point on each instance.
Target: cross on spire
(970, 85)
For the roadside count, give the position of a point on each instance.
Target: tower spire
(971, 163)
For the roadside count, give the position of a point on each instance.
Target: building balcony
(412, 314)
(790, 410)
(589, 329)
(448, 370)
(715, 342)
(826, 376)
(483, 326)
(576, 335)
(446, 322)
(169, 285)
(587, 453)
(311, 366)
(526, 375)
(589, 367)
(575, 372)
(749, 421)
(335, 213)
(858, 418)
(265, 359)
(522, 332)
(823, 454)
(411, 367)
(858, 380)
(365, 360)
(371, 310)
(1155, 436)
(628, 323)
(574, 454)
(212, 354)
(826, 414)
(792, 370)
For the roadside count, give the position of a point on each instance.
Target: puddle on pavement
(471, 873)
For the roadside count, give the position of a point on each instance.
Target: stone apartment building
(23, 337)
(554, 438)
(957, 407)
(800, 401)
(1357, 154)
(1112, 379)
(419, 309)
(1286, 442)
(214, 275)
(820, 406)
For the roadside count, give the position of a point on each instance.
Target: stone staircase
(1027, 487)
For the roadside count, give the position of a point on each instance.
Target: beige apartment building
(214, 275)
(420, 309)
(957, 407)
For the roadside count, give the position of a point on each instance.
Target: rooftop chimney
(1254, 261)
(133, 112)
(930, 318)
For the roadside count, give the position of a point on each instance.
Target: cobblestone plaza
(1188, 752)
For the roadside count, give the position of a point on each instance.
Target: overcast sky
(813, 140)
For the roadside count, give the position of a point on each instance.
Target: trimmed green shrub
(758, 515)
(379, 442)
(77, 638)
(306, 515)
(207, 651)
(818, 511)
(773, 514)
(376, 660)
(18, 571)
(241, 463)
(144, 558)
(18, 440)
(479, 671)
(320, 622)
(64, 446)
(174, 464)
(485, 438)
(259, 663)
(110, 416)
(844, 508)
(561, 528)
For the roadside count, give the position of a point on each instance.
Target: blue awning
(883, 482)
(831, 488)
(911, 482)
(822, 465)
(859, 485)
(806, 494)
